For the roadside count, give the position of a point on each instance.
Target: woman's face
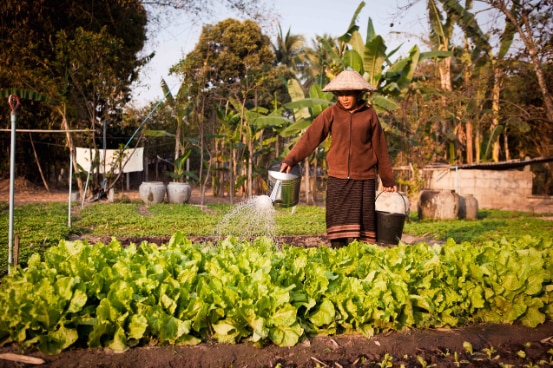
(348, 99)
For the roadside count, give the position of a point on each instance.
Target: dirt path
(492, 345)
(25, 192)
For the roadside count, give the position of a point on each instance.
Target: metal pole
(14, 103)
(86, 185)
(104, 131)
(70, 187)
(457, 180)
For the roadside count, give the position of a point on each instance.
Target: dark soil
(299, 240)
(492, 345)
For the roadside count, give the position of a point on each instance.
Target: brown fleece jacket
(358, 146)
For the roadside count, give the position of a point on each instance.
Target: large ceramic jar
(178, 192)
(468, 207)
(152, 192)
(438, 204)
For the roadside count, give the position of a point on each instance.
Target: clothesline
(45, 130)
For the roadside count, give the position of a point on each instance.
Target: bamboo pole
(45, 130)
(21, 358)
(14, 103)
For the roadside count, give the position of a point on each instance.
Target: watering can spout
(275, 190)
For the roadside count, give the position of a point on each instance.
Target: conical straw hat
(348, 80)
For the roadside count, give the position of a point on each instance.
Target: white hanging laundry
(132, 160)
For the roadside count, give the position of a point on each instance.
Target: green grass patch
(304, 220)
(42, 225)
(135, 219)
(36, 226)
(491, 225)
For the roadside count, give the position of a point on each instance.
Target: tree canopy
(81, 56)
(228, 54)
(476, 95)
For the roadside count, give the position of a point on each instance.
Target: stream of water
(251, 218)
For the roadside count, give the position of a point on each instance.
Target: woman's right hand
(285, 168)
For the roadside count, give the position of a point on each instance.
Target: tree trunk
(177, 141)
(315, 177)
(469, 148)
(477, 143)
(200, 120)
(468, 125)
(71, 145)
(233, 172)
(506, 146)
(38, 163)
(496, 90)
(220, 168)
(445, 82)
(530, 44)
(250, 167)
(207, 175)
(445, 73)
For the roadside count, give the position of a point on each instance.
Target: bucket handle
(402, 199)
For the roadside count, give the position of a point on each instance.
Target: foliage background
(466, 94)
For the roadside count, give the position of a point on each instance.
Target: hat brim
(348, 80)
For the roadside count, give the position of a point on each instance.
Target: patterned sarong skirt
(350, 209)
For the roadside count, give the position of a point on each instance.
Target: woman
(358, 151)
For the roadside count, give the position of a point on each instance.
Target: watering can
(284, 188)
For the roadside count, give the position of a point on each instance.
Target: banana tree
(180, 107)
(227, 146)
(441, 31)
(395, 80)
(531, 20)
(481, 58)
(251, 127)
(305, 110)
(371, 59)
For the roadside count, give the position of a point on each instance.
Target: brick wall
(499, 189)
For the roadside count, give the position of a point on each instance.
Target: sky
(306, 17)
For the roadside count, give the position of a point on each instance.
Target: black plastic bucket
(389, 226)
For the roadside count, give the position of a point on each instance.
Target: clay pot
(152, 191)
(178, 192)
(438, 204)
(468, 207)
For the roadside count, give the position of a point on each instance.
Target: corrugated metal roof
(506, 165)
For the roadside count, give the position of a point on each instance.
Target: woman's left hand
(390, 189)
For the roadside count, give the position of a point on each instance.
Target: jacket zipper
(349, 146)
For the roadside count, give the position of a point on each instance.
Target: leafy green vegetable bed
(42, 225)
(185, 293)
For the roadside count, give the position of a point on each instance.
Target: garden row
(106, 295)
